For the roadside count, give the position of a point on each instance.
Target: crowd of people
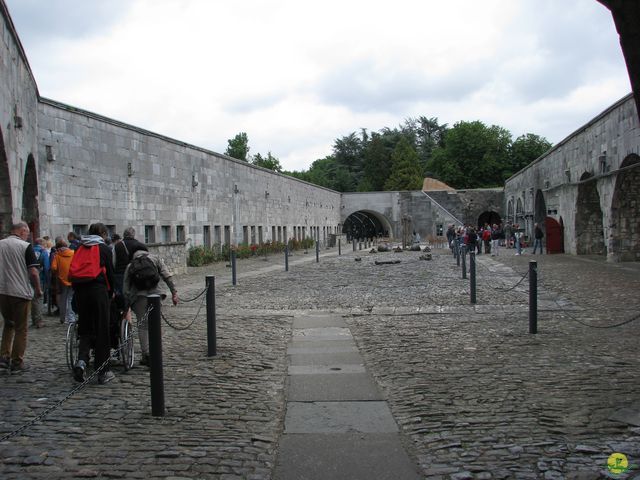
(78, 279)
(491, 238)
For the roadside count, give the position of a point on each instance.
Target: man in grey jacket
(19, 283)
(137, 298)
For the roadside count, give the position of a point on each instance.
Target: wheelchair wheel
(125, 344)
(71, 346)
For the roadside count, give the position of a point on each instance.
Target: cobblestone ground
(475, 394)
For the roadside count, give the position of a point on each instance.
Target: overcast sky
(295, 75)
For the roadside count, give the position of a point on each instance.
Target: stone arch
(520, 220)
(540, 209)
(366, 224)
(588, 227)
(30, 211)
(625, 212)
(6, 205)
(489, 217)
(510, 215)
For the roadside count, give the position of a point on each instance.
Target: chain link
(190, 324)
(194, 298)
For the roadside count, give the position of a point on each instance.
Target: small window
(166, 233)
(80, 229)
(227, 235)
(206, 233)
(217, 235)
(149, 234)
(180, 233)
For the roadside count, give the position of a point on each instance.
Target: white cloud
(295, 76)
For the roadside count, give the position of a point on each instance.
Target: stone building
(62, 168)
(585, 191)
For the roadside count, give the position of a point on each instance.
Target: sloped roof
(431, 184)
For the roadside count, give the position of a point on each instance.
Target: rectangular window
(149, 234)
(217, 235)
(111, 229)
(253, 235)
(285, 239)
(180, 233)
(304, 232)
(260, 235)
(227, 235)
(166, 234)
(80, 229)
(273, 233)
(245, 235)
(280, 234)
(206, 233)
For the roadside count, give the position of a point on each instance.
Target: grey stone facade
(589, 184)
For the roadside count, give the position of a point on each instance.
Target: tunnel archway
(625, 212)
(490, 218)
(30, 211)
(6, 206)
(589, 229)
(366, 224)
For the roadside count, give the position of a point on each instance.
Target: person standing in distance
(19, 283)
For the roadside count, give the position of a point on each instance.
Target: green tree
(377, 165)
(472, 156)
(406, 172)
(525, 149)
(238, 147)
(270, 162)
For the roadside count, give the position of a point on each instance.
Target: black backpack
(143, 273)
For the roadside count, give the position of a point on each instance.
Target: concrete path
(337, 423)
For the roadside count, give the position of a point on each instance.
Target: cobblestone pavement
(474, 393)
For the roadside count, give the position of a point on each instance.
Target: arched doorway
(520, 220)
(589, 229)
(489, 217)
(6, 207)
(555, 235)
(625, 212)
(510, 216)
(366, 224)
(30, 212)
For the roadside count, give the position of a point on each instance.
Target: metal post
(155, 356)
(354, 244)
(464, 261)
(286, 258)
(457, 252)
(360, 245)
(533, 296)
(472, 273)
(210, 282)
(339, 248)
(234, 278)
(317, 252)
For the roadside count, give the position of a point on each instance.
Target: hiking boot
(39, 325)
(4, 363)
(78, 371)
(144, 359)
(106, 377)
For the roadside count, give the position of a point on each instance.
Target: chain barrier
(192, 321)
(76, 389)
(194, 298)
(503, 289)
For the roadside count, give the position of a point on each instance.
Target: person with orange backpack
(91, 274)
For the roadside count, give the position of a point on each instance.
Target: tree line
(468, 155)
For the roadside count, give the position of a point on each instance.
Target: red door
(555, 235)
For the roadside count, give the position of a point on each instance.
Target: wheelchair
(121, 337)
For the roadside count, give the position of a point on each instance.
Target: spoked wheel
(125, 344)
(71, 346)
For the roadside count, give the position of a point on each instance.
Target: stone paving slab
(328, 346)
(331, 369)
(326, 388)
(321, 333)
(322, 457)
(325, 359)
(309, 320)
(339, 417)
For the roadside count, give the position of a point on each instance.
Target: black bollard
(234, 278)
(286, 258)
(155, 356)
(472, 274)
(339, 248)
(533, 296)
(457, 253)
(210, 282)
(317, 252)
(464, 262)
(354, 244)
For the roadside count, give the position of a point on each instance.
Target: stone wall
(174, 255)
(167, 190)
(555, 185)
(18, 124)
